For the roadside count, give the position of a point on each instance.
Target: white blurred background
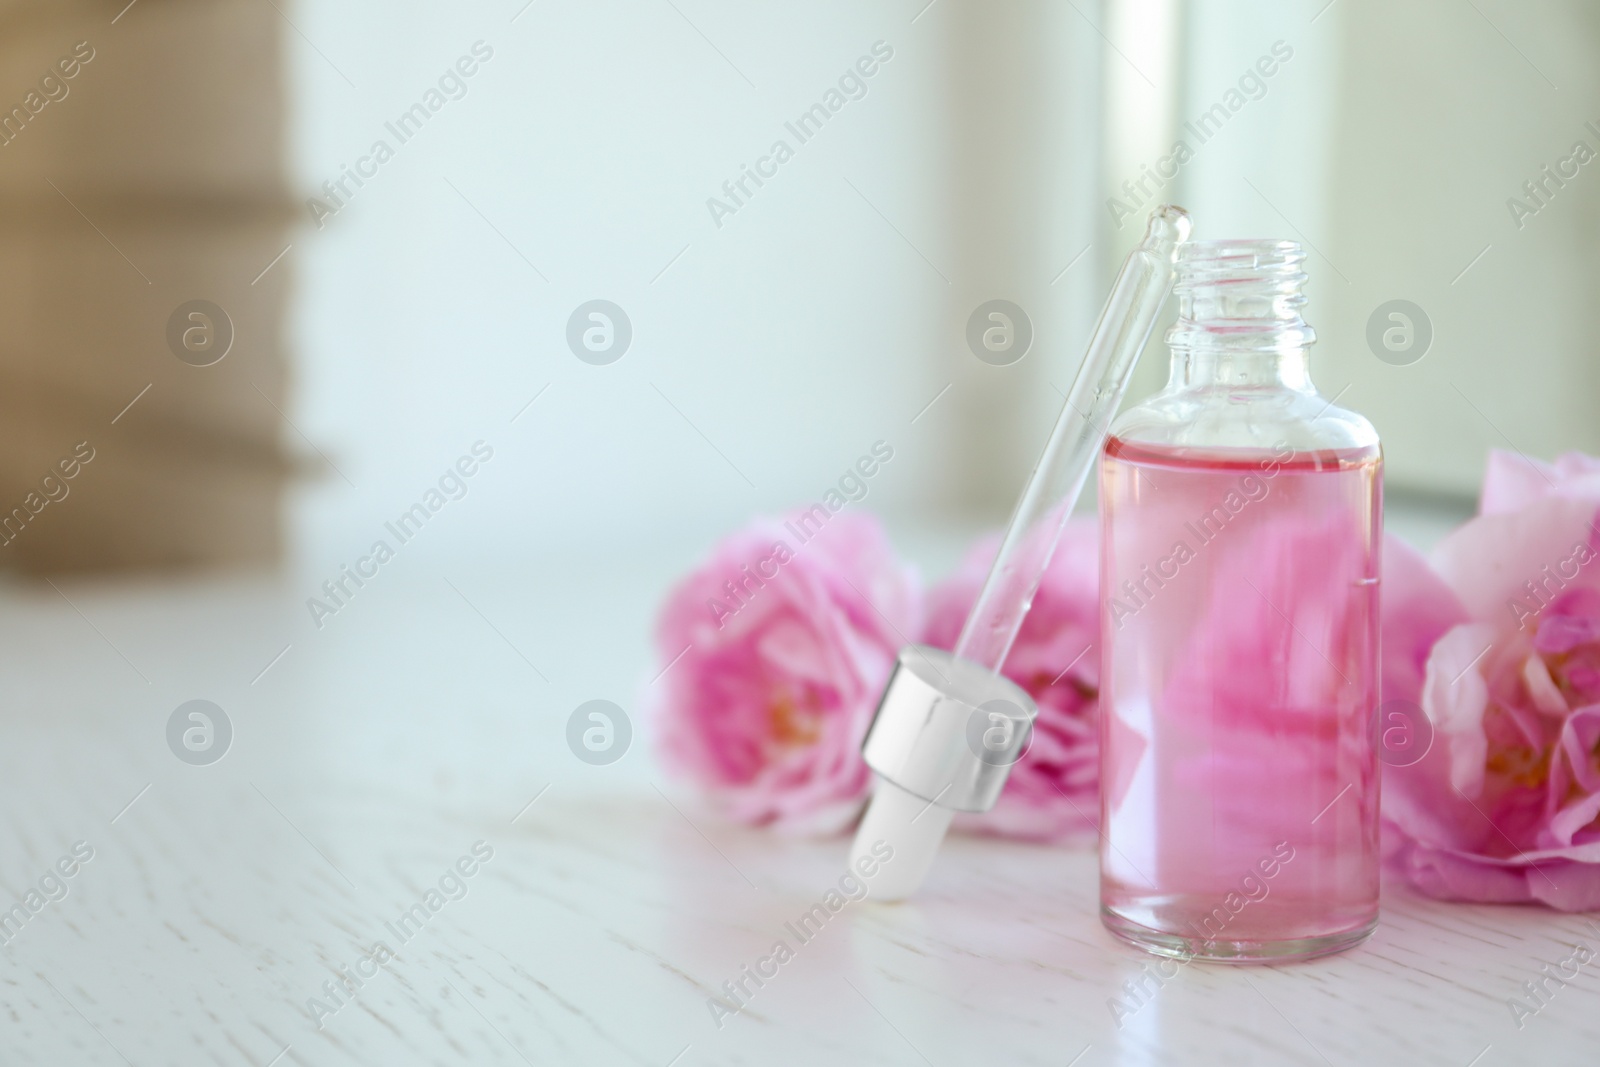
(984, 160)
(828, 311)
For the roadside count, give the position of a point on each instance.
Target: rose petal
(1512, 481)
(1542, 690)
(1456, 695)
(1454, 876)
(1571, 621)
(770, 665)
(1053, 791)
(1580, 745)
(1488, 560)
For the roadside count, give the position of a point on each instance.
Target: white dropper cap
(913, 827)
(945, 736)
(940, 736)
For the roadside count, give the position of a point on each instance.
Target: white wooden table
(368, 760)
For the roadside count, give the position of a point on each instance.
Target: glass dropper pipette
(930, 742)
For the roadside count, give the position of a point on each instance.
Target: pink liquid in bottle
(1239, 643)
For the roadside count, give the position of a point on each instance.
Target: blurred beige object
(140, 171)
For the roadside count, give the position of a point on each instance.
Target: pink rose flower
(1504, 805)
(1053, 791)
(786, 638)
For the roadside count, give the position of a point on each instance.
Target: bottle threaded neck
(1240, 296)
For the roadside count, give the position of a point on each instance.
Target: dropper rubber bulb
(930, 741)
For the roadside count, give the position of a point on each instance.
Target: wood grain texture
(373, 755)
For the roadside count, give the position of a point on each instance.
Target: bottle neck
(1239, 324)
(1288, 369)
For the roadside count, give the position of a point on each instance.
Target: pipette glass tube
(909, 811)
(1074, 446)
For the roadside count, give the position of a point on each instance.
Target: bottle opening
(1243, 295)
(1203, 260)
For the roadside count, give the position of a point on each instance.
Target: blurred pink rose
(1418, 608)
(1504, 806)
(1239, 717)
(1053, 791)
(786, 641)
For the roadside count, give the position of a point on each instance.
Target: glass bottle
(1241, 524)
